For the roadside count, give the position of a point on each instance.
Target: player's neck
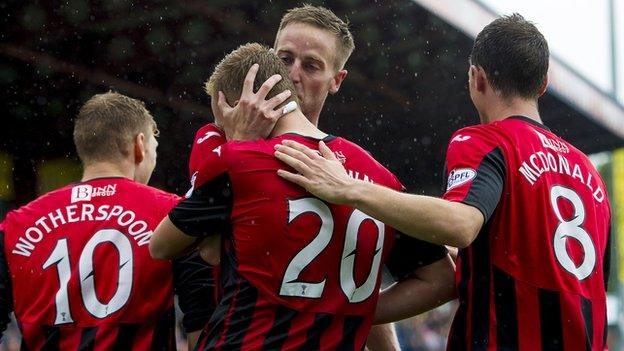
(502, 109)
(106, 170)
(296, 122)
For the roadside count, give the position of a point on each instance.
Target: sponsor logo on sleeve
(460, 176)
(207, 136)
(460, 138)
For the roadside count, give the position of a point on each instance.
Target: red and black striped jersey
(535, 276)
(81, 274)
(297, 273)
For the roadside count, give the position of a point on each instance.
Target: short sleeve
(207, 138)
(409, 254)
(475, 170)
(208, 204)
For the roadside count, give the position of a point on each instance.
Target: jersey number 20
(292, 286)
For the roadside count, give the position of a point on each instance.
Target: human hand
(319, 172)
(252, 117)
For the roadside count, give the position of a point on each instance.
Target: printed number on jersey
(292, 286)
(60, 258)
(572, 228)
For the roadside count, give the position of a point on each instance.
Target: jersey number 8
(572, 228)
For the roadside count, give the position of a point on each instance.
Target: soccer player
(315, 45)
(529, 209)
(296, 273)
(75, 265)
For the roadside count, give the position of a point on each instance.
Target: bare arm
(168, 241)
(429, 287)
(383, 337)
(427, 218)
(192, 338)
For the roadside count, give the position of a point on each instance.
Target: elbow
(157, 250)
(466, 228)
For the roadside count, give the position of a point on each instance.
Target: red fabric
(127, 210)
(522, 232)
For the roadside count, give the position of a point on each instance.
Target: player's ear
(337, 81)
(139, 148)
(479, 78)
(543, 87)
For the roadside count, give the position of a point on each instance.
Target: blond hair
(107, 124)
(230, 73)
(323, 18)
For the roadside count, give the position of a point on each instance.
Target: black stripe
(216, 324)
(487, 186)
(550, 320)
(506, 312)
(240, 320)
(457, 339)
(322, 321)
(125, 336)
(605, 331)
(164, 332)
(349, 331)
(53, 338)
(87, 339)
(588, 318)
(23, 346)
(480, 318)
(280, 328)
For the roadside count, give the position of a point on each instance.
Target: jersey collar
(530, 121)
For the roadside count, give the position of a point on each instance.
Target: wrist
(353, 192)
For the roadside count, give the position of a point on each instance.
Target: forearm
(382, 338)
(431, 287)
(426, 218)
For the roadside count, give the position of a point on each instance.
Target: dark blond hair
(323, 18)
(230, 73)
(107, 124)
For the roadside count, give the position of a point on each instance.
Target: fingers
(295, 178)
(300, 148)
(267, 86)
(249, 80)
(293, 161)
(222, 103)
(326, 151)
(278, 99)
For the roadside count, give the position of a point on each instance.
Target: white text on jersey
(136, 228)
(541, 162)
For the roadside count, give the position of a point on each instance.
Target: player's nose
(295, 72)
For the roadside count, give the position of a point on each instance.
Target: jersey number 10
(60, 258)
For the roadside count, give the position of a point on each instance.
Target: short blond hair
(230, 73)
(323, 18)
(106, 125)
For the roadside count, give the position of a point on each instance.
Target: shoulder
(352, 155)
(43, 203)
(208, 131)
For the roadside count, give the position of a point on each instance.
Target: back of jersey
(81, 271)
(299, 273)
(542, 251)
(557, 222)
